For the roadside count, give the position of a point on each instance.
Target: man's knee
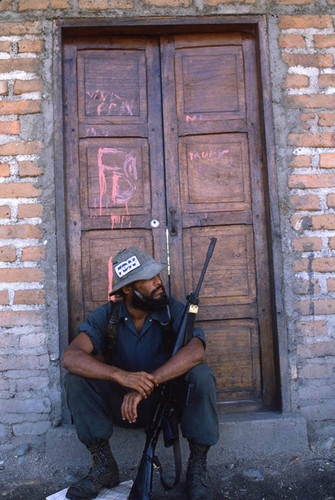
(73, 383)
(202, 376)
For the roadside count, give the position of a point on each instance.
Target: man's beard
(149, 302)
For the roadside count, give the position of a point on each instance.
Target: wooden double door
(163, 151)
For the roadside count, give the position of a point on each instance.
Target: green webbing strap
(113, 328)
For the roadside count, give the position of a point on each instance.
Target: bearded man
(116, 364)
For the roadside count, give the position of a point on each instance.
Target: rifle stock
(142, 487)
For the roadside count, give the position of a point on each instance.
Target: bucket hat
(132, 264)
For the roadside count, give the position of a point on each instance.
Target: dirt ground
(25, 475)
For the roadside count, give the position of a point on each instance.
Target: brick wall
(307, 46)
(301, 47)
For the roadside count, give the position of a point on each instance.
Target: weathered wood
(233, 353)
(260, 223)
(276, 271)
(72, 186)
(199, 92)
(114, 160)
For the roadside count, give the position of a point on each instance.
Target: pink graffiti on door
(123, 177)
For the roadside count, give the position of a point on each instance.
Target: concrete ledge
(242, 437)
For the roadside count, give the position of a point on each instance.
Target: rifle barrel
(204, 269)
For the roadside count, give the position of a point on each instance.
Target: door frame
(64, 29)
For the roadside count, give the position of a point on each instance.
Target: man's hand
(142, 382)
(129, 406)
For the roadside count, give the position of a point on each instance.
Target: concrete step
(242, 437)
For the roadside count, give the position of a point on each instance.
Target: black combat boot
(104, 472)
(197, 482)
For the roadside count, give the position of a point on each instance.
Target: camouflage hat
(132, 264)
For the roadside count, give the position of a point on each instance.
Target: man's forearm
(81, 363)
(186, 358)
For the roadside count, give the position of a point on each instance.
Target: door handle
(173, 222)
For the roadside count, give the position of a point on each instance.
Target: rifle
(164, 417)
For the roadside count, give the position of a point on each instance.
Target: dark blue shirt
(135, 351)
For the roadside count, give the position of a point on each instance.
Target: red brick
(7, 254)
(327, 119)
(10, 319)
(295, 2)
(301, 161)
(20, 231)
(305, 21)
(30, 46)
(307, 116)
(24, 275)
(4, 212)
(327, 80)
(324, 41)
(289, 41)
(33, 4)
(4, 46)
(3, 87)
(318, 265)
(22, 28)
(60, 4)
(323, 264)
(30, 65)
(24, 86)
(316, 371)
(318, 307)
(29, 169)
(4, 299)
(312, 101)
(312, 328)
(313, 222)
(305, 202)
(331, 284)
(29, 297)
(327, 160)
(331, 243)
(307, 244)
(300, 265)
(306, 287)
(309, 60)
(296, 81)
(19, 190)
(20, 148)
(4, 170)
(316, 350)
(28, 210)
(305, 181)
(105, 4)
(10, 128)
(331, 200)
(6, 5)
(33, 254)
(310, 140)
(20, 107)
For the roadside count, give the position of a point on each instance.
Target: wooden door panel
(233, 353)
(115, 178)
(112, 86)
(98, 250)
(214, 173)
(230, 278)
(213, 146)
(209, 84)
